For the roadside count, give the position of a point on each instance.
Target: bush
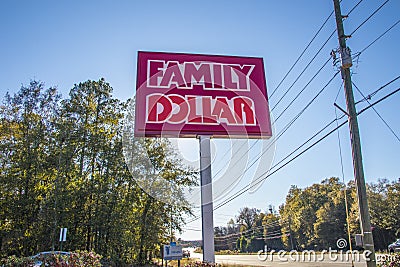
(75, 259)
(392, 260)
(198, 250)
(84, 258)
(14, 261)
(202, 264)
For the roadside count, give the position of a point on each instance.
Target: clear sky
(66, 42)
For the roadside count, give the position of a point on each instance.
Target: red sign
(186, 95)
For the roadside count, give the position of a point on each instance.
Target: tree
(384, 200)
(27, 166)
(63, 165)
(316, 215)
(247, 217)
(272, 231)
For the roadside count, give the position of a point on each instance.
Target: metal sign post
(206, 199)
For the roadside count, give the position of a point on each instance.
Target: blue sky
(66, 42)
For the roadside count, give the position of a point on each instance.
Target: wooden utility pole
(346, 62)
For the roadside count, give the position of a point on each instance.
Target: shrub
(392, 260)
(14, 261)
(75, 259)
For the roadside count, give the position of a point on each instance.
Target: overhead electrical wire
(293, 120)
(303, 71)
(377, 102)
(252, 232)
(307, 46)
(326, 20)
(379, 37)
(302, 90)
(322, 48)
(269, 225)
(261, 178)
(377, 113)
(376, 91)
(302, 53)
(313, 60)
(354, 7)
(245, 189)
(346, 204)
(285, 128)
(369, 17)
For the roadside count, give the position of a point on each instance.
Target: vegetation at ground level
(314, 218)
(62, 165)
(75, 259)
(392, 260)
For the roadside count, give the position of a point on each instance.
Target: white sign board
(172, 252)
(63, 234)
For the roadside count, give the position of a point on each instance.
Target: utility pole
(346, 62)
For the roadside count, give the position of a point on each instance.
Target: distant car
(186, 253)
(42, 255)
(394, 247)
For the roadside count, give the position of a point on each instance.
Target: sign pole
(206, 199)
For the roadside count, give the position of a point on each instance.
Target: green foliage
(384, 200)
(75, 259)
(84, 258)
(392, 260)
(318, 214)
(315, 218)
(62, 165)
(14, 261)
(242, 244)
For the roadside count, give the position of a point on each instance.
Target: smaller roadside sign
(63, 234)
(172, 252)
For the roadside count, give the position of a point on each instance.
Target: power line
(353, 7)
(379, 37)
(305, 108)
(370, 16)
(302, 90)
(249, 232)
(306, 67)
(308, 45)
(298, 76)
(192, 229)
(291, 122)
(377, 113)
(368, 97)
(245, 189)
(283, 131)
(377, 102)
(240, 192)
(302, 53)
(240, 157)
